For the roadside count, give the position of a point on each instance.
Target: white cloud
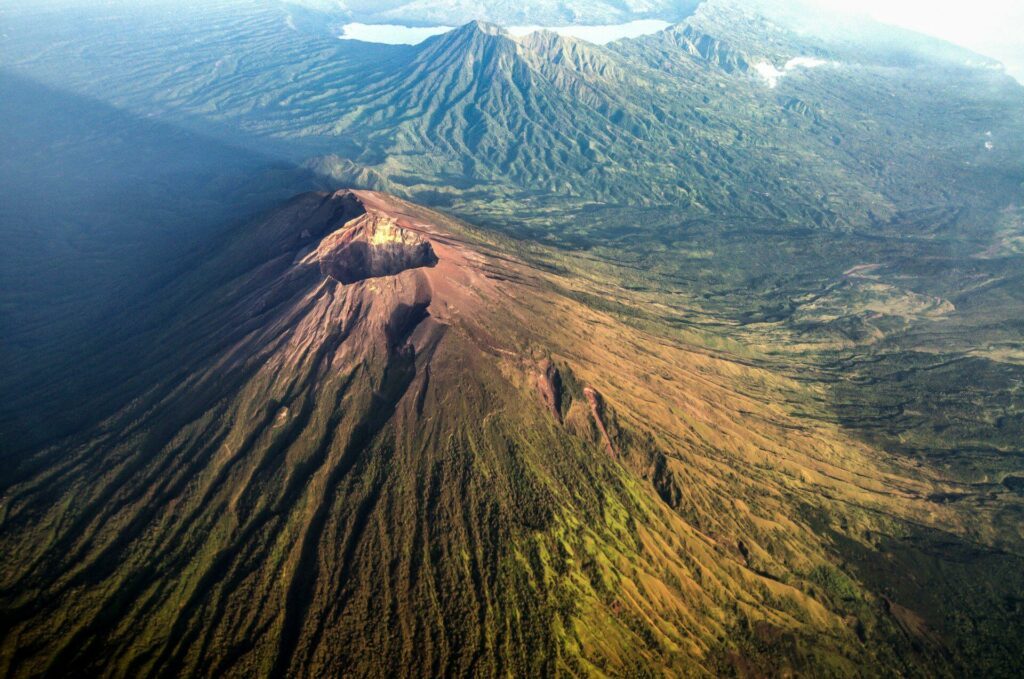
(773, 75)
(768, 71)
(390, 34)
(804, 62)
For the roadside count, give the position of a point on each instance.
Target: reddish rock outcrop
(597, 410)
(549, 384)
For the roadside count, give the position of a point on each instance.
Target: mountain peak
(475, 36)
(473, 30)
(478, 26)
(708, 48)
(320, 418)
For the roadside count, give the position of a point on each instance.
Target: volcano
(373, 439)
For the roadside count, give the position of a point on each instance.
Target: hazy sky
(994, 28)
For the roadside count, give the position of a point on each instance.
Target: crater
(372, 246)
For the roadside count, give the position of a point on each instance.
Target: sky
(994, 28)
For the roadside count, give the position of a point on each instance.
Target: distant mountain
(680, 117)
(821, 123)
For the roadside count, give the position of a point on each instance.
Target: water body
(393, 34)
(390, 34)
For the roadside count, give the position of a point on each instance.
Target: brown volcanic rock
(370, 246)
(549, 385)
(597, 410)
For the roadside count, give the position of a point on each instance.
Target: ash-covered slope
(369, 440)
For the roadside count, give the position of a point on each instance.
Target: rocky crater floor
(371, 246)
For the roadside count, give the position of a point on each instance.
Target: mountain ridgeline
(820, 122)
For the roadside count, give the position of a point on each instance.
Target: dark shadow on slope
(398, 376)
(101, 209)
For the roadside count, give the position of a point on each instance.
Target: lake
(393, 34)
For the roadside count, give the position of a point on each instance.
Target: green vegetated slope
(458, 468)
(793, 293)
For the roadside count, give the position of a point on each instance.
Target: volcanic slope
(371, 440)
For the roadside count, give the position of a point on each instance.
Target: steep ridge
(422, 456)
(478, 112)
(667, 50)
(540, 115)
